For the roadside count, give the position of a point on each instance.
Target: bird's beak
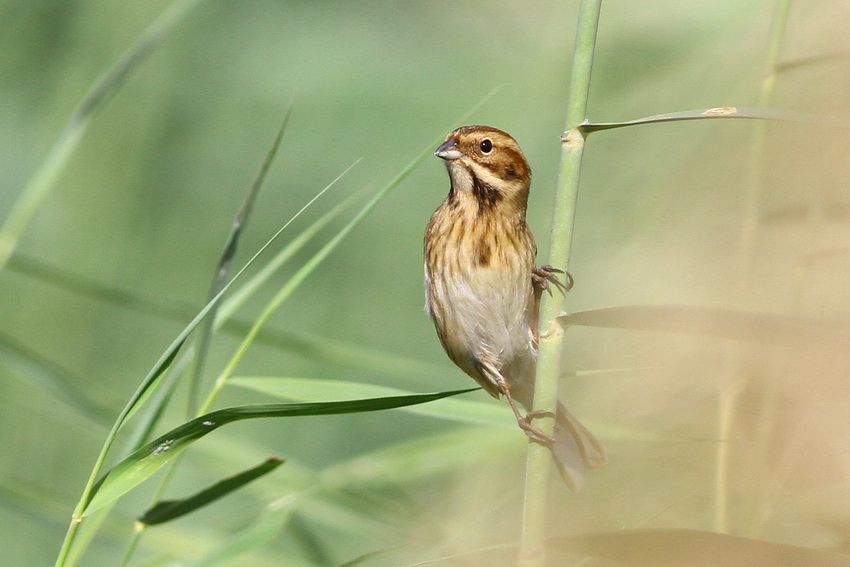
(447, 150)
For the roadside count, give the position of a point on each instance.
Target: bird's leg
(534, 414)
(544, 275)
(524, 421)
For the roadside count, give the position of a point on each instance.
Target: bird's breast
(478, 286)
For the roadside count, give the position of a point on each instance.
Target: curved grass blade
(308, 389)
(225, 262)
(167, 510)
(719, 113)
(246, 290)
(301, 275)
(144, 462)
(40, 184)
(716, 322)
(159, 367)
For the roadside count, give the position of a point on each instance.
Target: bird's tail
(576, 450)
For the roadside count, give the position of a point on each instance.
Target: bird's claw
(535, 433)
(545, 275)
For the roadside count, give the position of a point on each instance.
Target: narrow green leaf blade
(167, 510)
(239, 296)
(309, 389)
(718, 113)
(151, 379)
(144, 462)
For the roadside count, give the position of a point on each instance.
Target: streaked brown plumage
(482, 289)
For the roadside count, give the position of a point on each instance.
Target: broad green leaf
(144, 462)
(311, 389)
(41, 183)
(167, 510)
(716, 322)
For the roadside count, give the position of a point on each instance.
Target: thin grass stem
(532, 552)
(149, 383)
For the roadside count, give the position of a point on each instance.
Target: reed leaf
(144, 462)
(718, 113)
(168, 510)
(143, 390)
(309, 389)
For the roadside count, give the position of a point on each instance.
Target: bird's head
(488, 164)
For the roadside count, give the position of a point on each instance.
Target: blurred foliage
(147, 200)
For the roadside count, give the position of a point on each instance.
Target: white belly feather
(486, 309)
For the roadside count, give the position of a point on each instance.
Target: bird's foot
(534, 433)
(544, 275)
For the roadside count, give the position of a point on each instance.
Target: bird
(483, 291)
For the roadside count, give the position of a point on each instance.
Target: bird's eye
(486, 146)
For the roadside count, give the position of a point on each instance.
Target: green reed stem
(532, 553)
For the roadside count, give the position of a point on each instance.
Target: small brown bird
(482, 289)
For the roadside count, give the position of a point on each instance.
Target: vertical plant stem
(746, 259)
(532, 552)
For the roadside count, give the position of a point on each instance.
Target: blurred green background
(147, 200)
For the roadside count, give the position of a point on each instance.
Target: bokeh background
(147, 200)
